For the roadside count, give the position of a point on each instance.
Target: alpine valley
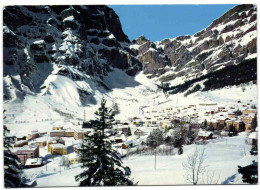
(60, 61)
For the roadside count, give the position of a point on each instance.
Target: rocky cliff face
(229, 40)
(85, 43)
(73, 41)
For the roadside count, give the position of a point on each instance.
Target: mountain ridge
(82, 45)
(197, 50)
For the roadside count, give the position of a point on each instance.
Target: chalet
(33, 162)
(248, 118)
(58, 149)
(41, 143)
(249, 111)
(204, 135)
(21, 143)
(33, 135)
(25, 152)
(54, 141)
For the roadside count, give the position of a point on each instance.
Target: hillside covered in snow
(61, 60)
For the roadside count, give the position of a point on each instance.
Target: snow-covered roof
(83, 130)
(26, 147)
(59, 145)
(21, 141)
(33, 161)
(57, 131)
(204, 133)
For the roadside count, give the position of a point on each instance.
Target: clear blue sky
(158, 22)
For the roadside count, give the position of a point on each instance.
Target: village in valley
(57, 150)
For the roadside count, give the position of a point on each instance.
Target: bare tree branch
(194, 165)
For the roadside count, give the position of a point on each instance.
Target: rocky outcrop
(229, 40)
(153, 59)
(89, 38)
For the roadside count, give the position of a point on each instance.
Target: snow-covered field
(222, 157)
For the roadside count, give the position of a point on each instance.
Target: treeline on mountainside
(231, 75)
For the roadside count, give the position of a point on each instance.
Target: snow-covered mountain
(229, 40)
(74, 42)
(61, 60)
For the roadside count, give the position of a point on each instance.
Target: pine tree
(238, 112)
(205, 124)
(12, 165)
(211, 127)
(102, 163)
(249, 173)
(232, 130)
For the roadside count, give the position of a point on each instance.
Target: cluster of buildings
(132, 132)
(218, 116)
(27, 148)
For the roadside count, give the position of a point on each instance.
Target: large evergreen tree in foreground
(102, 163)
(12, 165)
